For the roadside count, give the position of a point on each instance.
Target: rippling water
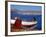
(29, 18)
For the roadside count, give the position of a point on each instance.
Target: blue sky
(26, 7)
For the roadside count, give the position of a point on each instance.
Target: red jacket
(17, 23)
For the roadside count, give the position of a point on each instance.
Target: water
(29, 17)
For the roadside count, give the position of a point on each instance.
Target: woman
(17, 24)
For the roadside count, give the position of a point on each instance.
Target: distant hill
(26, 12)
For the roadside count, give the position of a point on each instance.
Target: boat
(22, 23)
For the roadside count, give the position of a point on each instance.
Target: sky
(26, 7)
